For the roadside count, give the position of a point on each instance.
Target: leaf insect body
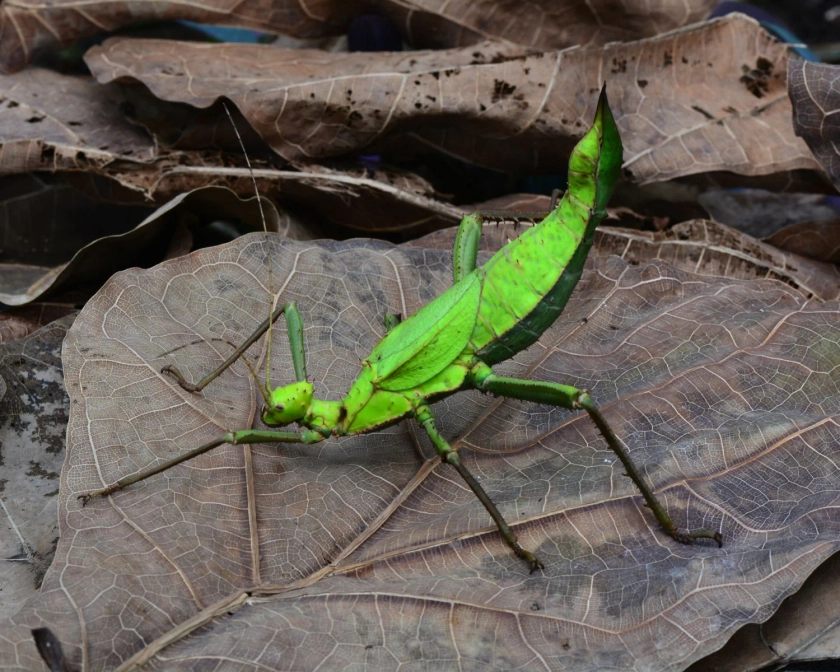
(490, 313)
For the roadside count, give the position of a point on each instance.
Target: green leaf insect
(489, 314)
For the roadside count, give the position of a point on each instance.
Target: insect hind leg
(575, 399)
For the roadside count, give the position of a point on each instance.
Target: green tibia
(466, 246)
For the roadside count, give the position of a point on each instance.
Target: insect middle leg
(449, 455)
(468, 238)
(575, 399)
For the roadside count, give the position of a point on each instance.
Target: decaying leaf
(709, 97)
(713, 249)
(547, 24)
(762, 213)
(28, 26)
(816, 98)
(815, 240)
(33, 420)
(167, 232)
(805, 627)
(724, 391)
(88, 138)
(19, 322)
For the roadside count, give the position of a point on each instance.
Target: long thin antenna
(273, 299)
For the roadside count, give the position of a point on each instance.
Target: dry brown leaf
(762, 213)
(542, 24)
(710, 97)
(31, 26)
(815, 240)
(27, 26)
(50, 121)
(104, 144)
(33, 420)
(804, 628)
(166, 233)
(713, 249)
(724, 391)
(19, 322)
(44, 220)
(815, 98)
(793, 181)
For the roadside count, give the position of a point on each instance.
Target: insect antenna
(264, 388)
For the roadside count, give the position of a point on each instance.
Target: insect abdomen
(528, 282)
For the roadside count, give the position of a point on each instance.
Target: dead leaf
(761, 213)
(709, 97)
(803, 629)
(724, 392)
(52, 121)
(20, 322)
(30, 26)
(146, 244)
(140, 172)
(33, 420)
(713, 249)
(44, 220)
(813, 93)
(815, 240)
(547, 24)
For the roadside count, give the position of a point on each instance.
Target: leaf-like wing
(424, 344)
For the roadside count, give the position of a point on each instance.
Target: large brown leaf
(53, 121)
(709, 97)
(543, 24)
(27, 25)
(368, 551)
(72, 125)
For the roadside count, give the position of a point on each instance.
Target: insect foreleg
(450, 455)
(575, 399)
(234, 438)
(294, 323)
